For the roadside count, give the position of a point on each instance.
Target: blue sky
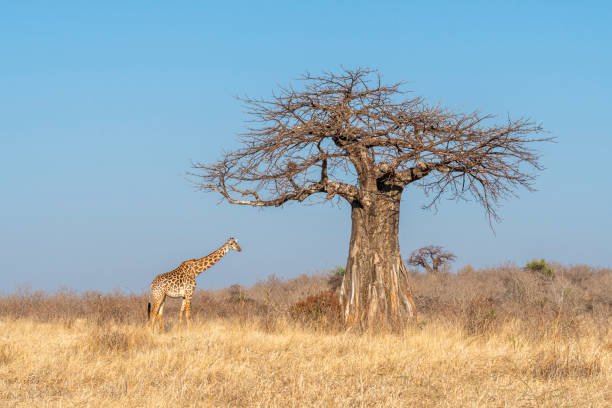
(103, 106)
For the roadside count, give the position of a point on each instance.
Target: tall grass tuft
(107, 339)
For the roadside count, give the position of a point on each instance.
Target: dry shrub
(479, 316)
(100, 308)
(117, 339)
(208, 305)
(321, 311)
(556, 363)
(272, 323)
(335, 281)
(542, 305)
(238, 294)
(281, 294)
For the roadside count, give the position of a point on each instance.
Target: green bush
(540, 267)
(335, 277)
(339, 271)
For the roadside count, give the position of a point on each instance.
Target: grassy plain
(94, 350)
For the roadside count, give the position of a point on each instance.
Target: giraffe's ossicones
(180, 283)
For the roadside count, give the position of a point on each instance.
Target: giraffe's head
(233, 244)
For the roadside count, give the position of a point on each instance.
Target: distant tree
(431, 257)
(348, 135)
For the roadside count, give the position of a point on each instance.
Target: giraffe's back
(175, 283)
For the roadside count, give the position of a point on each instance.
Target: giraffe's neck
(206, 262)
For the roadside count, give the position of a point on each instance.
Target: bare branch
(339, 125)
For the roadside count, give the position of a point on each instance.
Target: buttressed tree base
(349, 135)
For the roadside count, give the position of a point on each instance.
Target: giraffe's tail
(149, 306)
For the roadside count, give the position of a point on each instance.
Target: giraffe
(180, 282)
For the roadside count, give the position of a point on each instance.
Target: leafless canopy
(431, 257)
(341, 131)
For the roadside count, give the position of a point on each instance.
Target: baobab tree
(431, 257)
(349, 135)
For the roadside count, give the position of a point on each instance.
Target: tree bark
(375, 290)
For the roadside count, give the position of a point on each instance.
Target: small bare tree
(349, 135)
(431, 257)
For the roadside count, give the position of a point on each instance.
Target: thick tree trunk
(375, 289)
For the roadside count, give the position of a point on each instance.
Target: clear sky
(103, 106)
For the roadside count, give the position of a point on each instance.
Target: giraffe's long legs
(181, 313)
(154, 311)
(187, 305)
(157, 311)
(159, 316)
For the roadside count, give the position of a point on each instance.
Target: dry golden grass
(229, 363)
(498, 337)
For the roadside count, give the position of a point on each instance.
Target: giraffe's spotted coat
(181, 282)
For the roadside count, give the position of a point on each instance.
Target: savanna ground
(500, 337)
